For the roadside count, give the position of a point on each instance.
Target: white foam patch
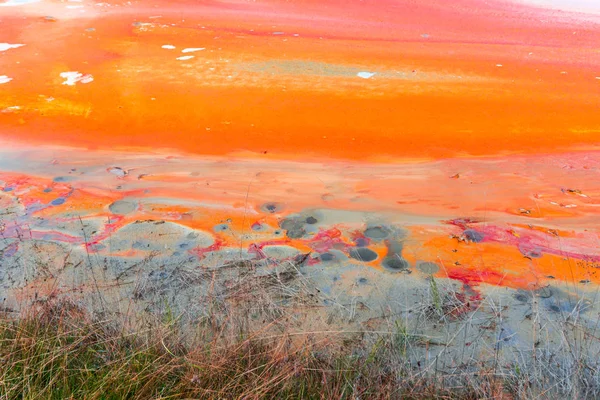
(365, 74)
(87, 79)
(192, 49)
(11, 109)
(8, 46)
(72, 77)
(4, 79)
(168, 46)
(183, 58)
(591, 6)
(12, 3)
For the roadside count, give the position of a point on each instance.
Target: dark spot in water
(62, 179)
(277, 232)
(584, 281)
(184, 246)
(530, 252)
(221, 228)
(59, 201)
(396, 264)
(139, 245)
(554, 308)
(293, 227)
(473, 236)
(311, 220)
(545, 292)
(533, 254)
(271, 208)
(569, 303)
(521, 297)
(327, 257)
(363, 254)
(257, 226)
(428, 267)
(361, 242)
(376, 232)
(289, 223)
(295, 233)
(47, 190)
(362, 281)
(8, 189)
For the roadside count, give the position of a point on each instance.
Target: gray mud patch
(427, 267)
(280, 252)
(122, 207)
(24, 261)
(377, 232)
(157, 236)
(294, 227)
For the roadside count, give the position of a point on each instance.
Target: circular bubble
(311, 220)
(376, 232)
(271, 207)
(363, 254)
(221, 228)
(396, 264)
(122, 207)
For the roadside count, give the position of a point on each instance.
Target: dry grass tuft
(246, 345)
